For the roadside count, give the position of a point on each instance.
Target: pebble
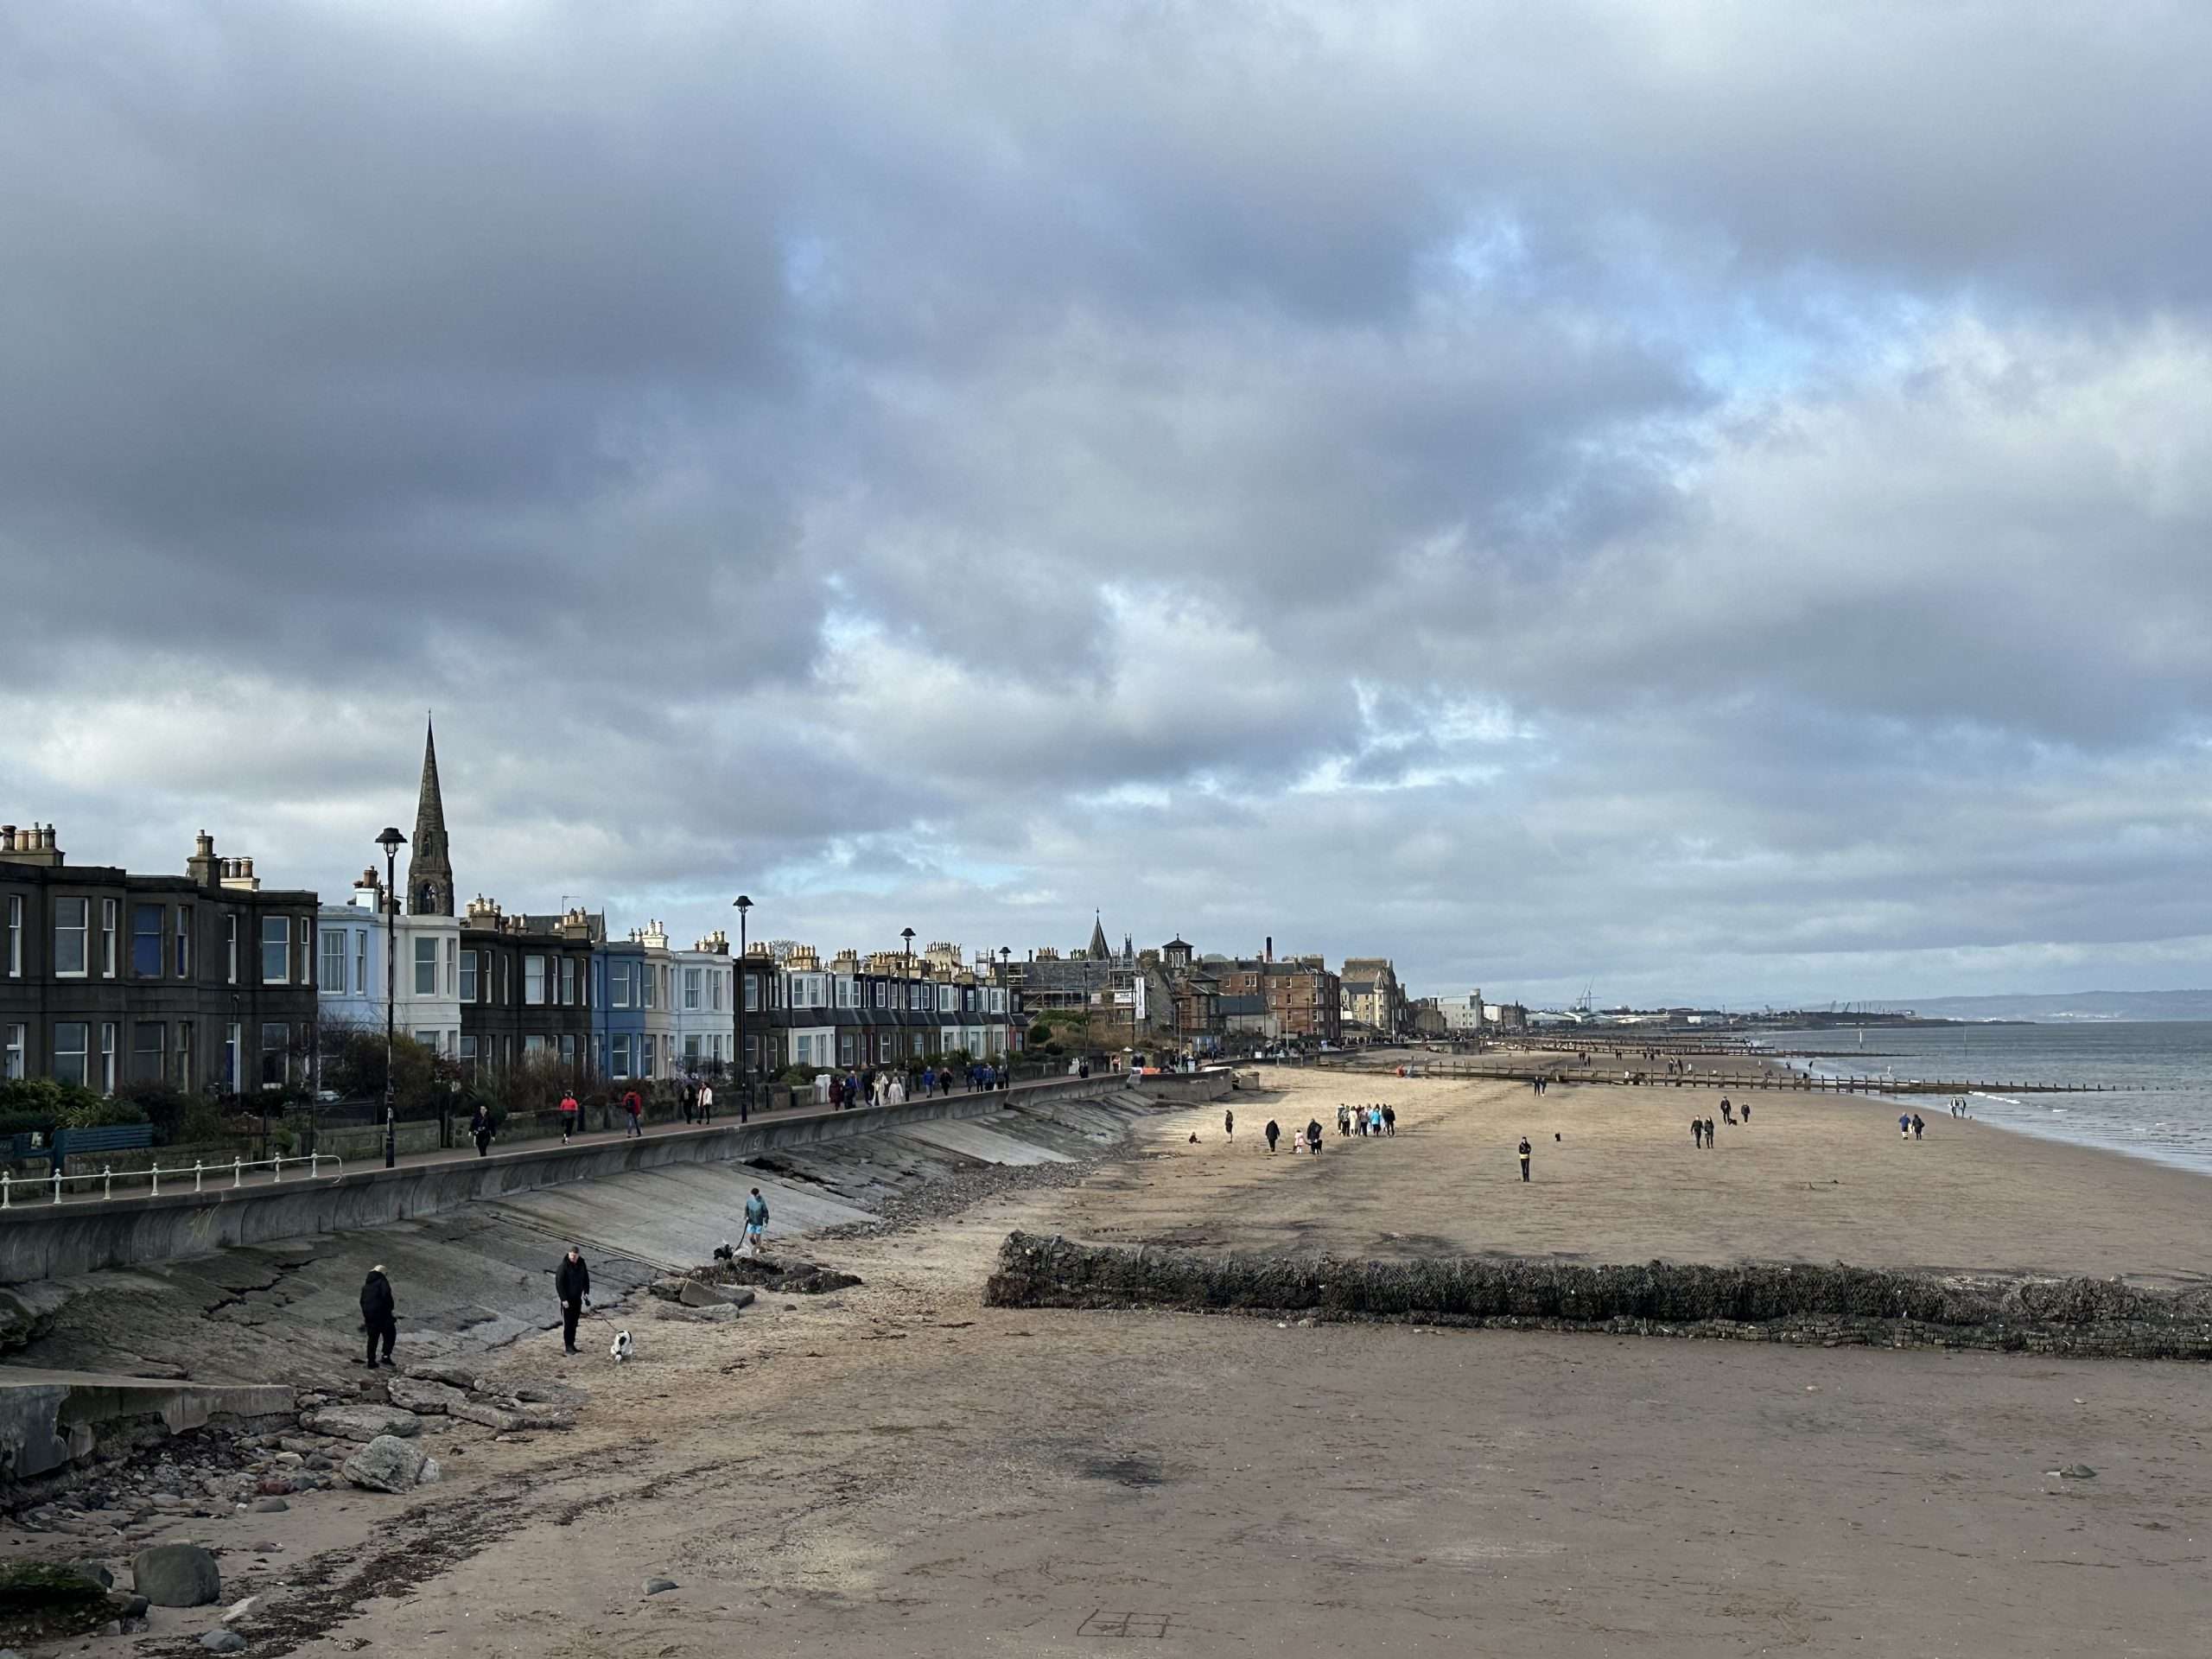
(270, 1506)
(656, 1586)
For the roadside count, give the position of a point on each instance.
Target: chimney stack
(1270, 955)
(202, 867)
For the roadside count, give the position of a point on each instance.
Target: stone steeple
(430, 862)
(1099, 950)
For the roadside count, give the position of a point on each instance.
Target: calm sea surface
(2167, 1066)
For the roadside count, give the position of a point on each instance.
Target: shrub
(45, 1102)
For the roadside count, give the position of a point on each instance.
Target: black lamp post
(1006, 986)
(744, 907)
(907, 973)
(392, 841)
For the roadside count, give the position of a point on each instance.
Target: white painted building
(426, 993)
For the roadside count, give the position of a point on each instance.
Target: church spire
(429, 863)
(1099, 951)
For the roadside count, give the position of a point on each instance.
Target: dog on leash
(723, 1253)
(624, 1350)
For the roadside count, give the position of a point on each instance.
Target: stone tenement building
(204, 980)
(1373, 996)
(1303, 999)
(885, 1008)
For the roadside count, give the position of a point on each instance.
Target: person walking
(379, 1316)
(1697, 1131)
(1904, 1126)
(1525, 1157)
(1917, 1126)
(1229, 1126)
(1389, 1119)
(569, 1111)
(480, 1127)
(688, 1098)
(636, 1109)
(756, 1221)
(1271, 1132)
(1313, 1135)
(705, 1102)
(572, 1286)
(1710, 1138)
(1745, 1111)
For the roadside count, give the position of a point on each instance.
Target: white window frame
(453, 970)
(283, 942)
(181, 954)
(425, 965)
(334, 985)
(568, 982)
(83, 930)
(15, 936)
(360, 962)
(694, 988)
(303, 963)
(617, 982)
(12, 1055)
(108, 923)
(533, 998)
(81, 1055)
(471, 984)
(230, 949)
(107, 1057)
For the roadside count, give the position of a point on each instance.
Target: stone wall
(1766, 1301)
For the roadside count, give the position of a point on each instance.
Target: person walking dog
(572, 1286)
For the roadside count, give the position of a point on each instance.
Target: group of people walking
(1367, 1120)
(889, 1088)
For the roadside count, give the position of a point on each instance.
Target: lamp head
(742, 902)
(392, 841)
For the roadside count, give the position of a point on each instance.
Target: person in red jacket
(569, 1110)
(636, 1108)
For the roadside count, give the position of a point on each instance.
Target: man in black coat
(378, 1316)
(572, 1284)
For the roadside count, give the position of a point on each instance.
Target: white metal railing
(200, 1170)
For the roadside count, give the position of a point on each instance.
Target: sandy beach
(1812, 1178)
(897, 1469)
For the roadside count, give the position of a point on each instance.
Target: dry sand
(1812, 1178)
(899, 1471)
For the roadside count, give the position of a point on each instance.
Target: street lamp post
(1006, 989)
(907, 975)
(392, 841)
(744, 906)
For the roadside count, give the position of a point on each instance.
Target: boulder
(362, 1422)
(451, 1373)
(270, 1506)
(97, 1573)
(551, 1393)
(492, 1416)
(387, 1464)
(431, 1399)
(528, 1416)
(176, 1575)
(239, 1609)
(695, 1294)
(659, 1586)
(223, 1642)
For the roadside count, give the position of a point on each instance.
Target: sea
(2163, 1069)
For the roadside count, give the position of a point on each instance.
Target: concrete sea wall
(1772, 1302)
(52, 1242)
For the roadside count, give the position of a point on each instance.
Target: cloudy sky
(1710, 501)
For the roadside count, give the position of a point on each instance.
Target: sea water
(2163, 1069)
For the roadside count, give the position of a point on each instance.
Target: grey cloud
(845, 445)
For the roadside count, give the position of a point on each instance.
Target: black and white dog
(624, 1350)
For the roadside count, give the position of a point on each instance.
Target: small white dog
(624, 1350)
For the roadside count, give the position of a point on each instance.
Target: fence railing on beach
(1770, 1078)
